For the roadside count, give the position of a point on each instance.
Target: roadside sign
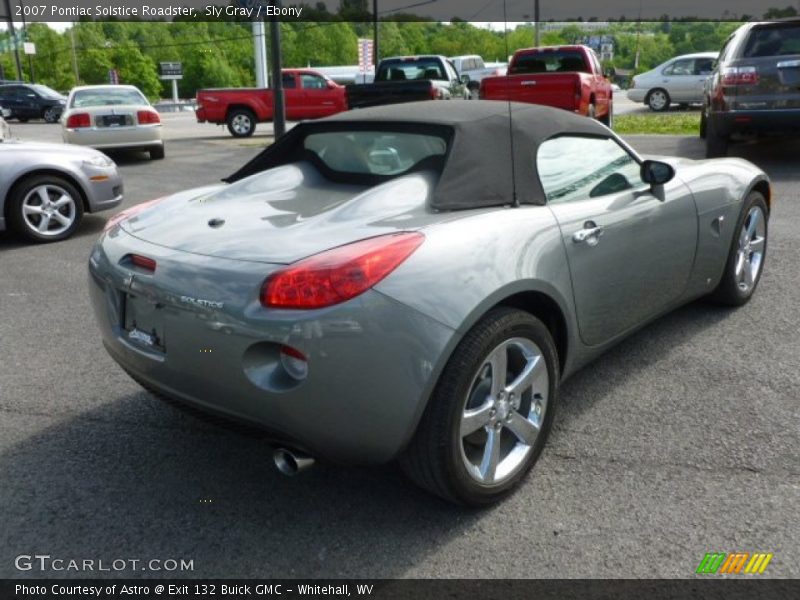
(29, 48)
(170, 70)
(365, 54)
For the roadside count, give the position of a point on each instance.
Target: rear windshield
(107, 97)
(412, 68)
(773, 40)
(558, 61)
(382, 153)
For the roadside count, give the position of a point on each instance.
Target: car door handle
(590, 234)
(529, 82)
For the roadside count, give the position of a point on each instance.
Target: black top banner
(514, 11)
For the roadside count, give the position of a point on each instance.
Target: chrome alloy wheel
(750, 255)
(241, 124)
(49, 210)
(504, 411)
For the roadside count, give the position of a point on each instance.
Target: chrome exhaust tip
(290, 462)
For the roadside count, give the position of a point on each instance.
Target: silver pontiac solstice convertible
(414, 282)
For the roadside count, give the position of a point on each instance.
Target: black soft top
(478, 172)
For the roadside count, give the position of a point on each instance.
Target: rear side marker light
(143, 262)
(337, 275)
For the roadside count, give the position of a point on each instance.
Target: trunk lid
(283, 215)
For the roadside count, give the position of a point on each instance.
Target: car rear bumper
(769, 122)
(142, 136)
(372, 362)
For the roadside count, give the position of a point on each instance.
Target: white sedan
(679, 80)
(110, 117)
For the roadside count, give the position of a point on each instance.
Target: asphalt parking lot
(681, 441)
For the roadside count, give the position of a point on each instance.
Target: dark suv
(32, 101)
(755, 87)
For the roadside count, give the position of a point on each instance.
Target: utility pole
(74, 54)
(375, 52)
(536, 26)
(279, 106)
(260, 52)
(10, 21)
(25, 29)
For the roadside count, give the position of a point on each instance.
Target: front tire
(489, 416)
(45, 208)
(746, 257)
(241, 122)
(658, 100)
(50, 115)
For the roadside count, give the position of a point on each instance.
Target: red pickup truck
(568, 77)
(308, 95)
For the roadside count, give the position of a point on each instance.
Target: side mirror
(465, 79)
(656, 172)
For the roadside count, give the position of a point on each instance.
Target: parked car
(307, 95)
(409, 79)
(472, 70)
(46, 188)
(32, 101)
(567, 77)
(403, 281)
(680, 80)
(755, 88)
(112, 117)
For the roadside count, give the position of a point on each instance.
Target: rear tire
(658, 100)
(471, 413)
(746, 256)
(241, 122)
(157, 152)
(608, 118)
(703, 124)
(716, 143)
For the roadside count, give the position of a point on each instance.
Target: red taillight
(340, 274)
(143, 262)
(131, 212)
(434, 92)
(740, 76)
(148, 117)
(79, 120)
